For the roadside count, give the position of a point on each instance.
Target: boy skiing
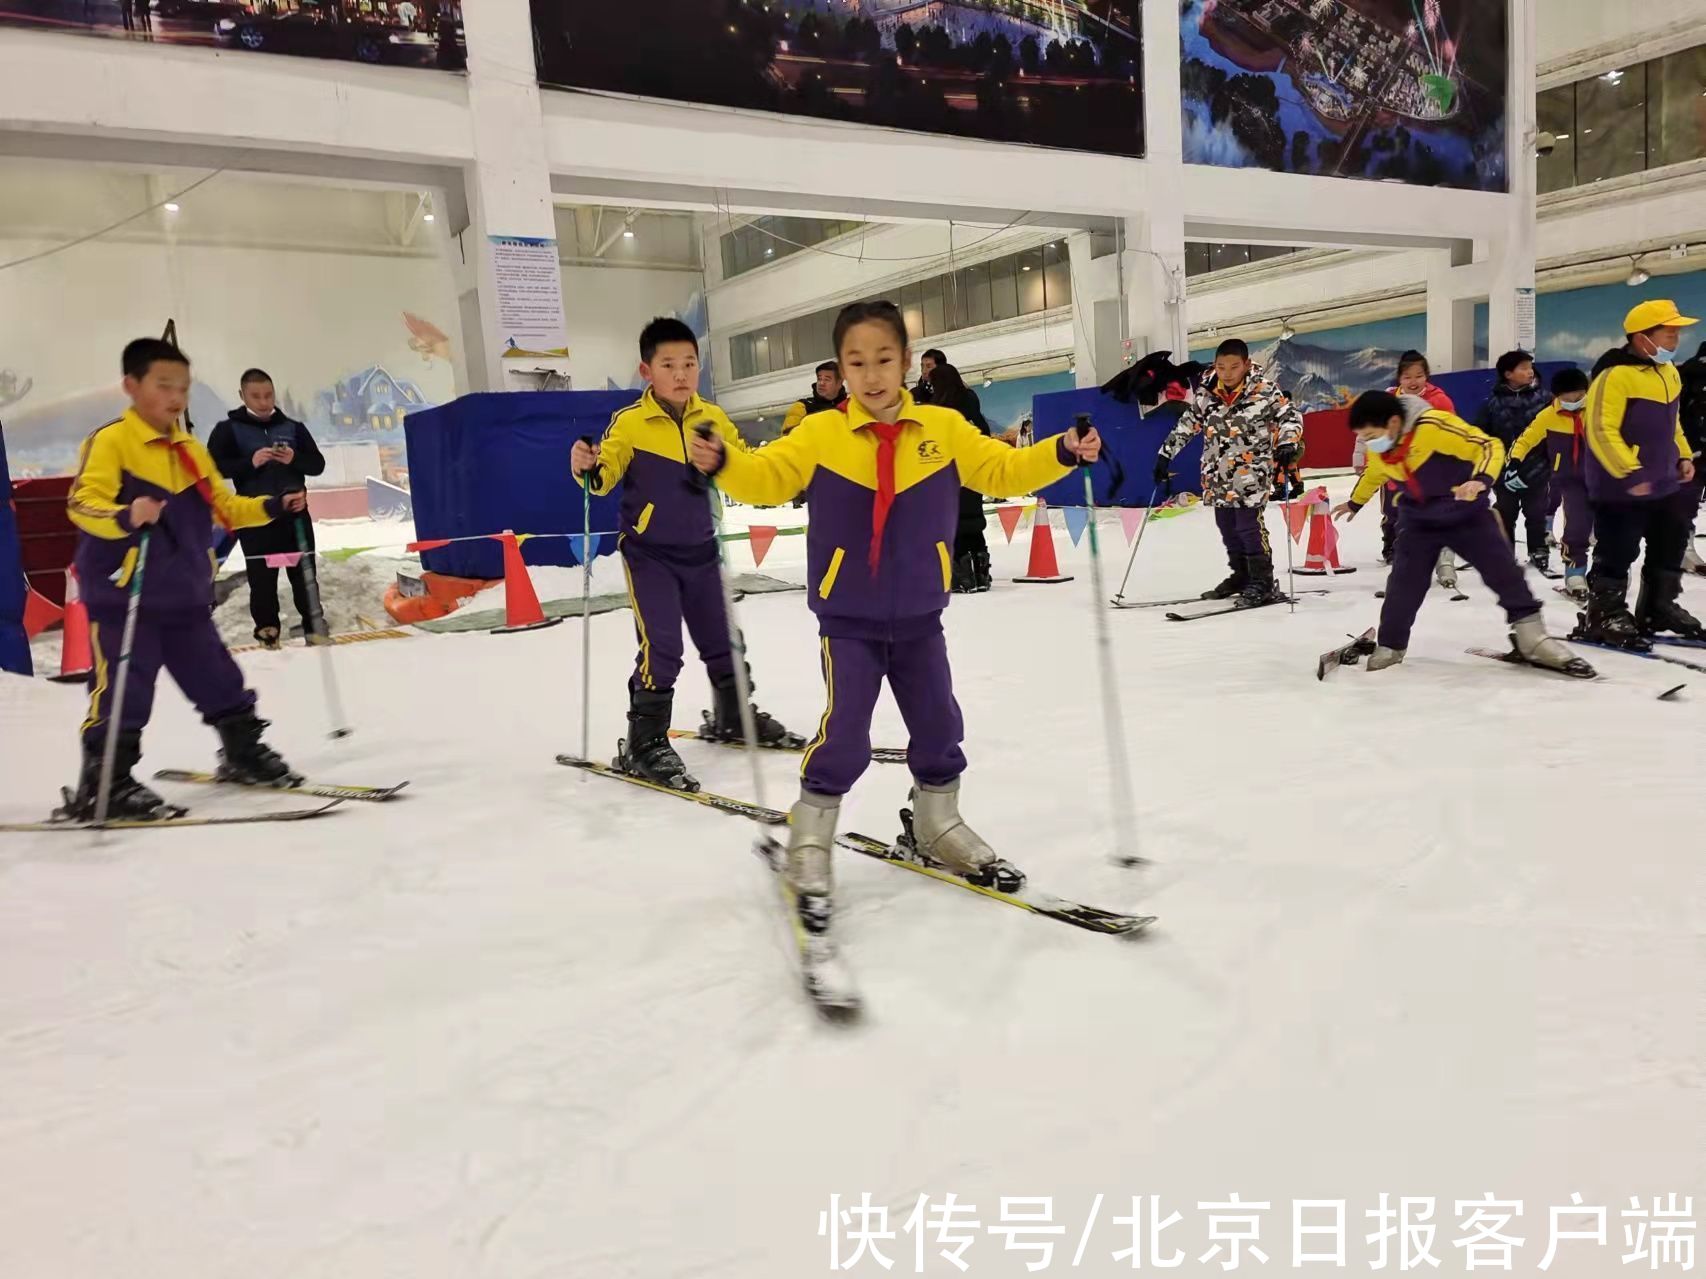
(882, 477)
(1445, 468)
(669, 554)
(144, 483)
(1517, 399)
(1251, 433)
(1560, 428)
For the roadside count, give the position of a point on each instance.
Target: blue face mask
(1663, 356)
(1380, 443)
(1572, 406)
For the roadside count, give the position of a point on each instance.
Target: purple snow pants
(187, 644)
(1472, 531)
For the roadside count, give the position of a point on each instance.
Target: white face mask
(1572, 406)
(1381, 443)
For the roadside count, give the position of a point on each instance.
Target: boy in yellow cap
(1637, 466)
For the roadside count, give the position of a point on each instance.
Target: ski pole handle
(1083, 424)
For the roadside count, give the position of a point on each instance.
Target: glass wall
(769, 238)
(1026, 283)
(1625, 121)
(1200, 259)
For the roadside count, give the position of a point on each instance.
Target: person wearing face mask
(266, 454)
(1640, 470)
(1414, 378)
(1444, 468)
(1560, 427)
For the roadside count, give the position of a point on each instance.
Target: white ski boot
(1576, 583)
(806, 866)
(1445, 571)
(1537, 648)
(1382, 657)
(933, 832)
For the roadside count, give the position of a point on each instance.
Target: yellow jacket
(832, 458)
(1634, 431)
(1563, 433)
(1437, 452)
(127, 459)
(663, 503)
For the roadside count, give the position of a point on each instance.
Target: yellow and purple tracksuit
(1635, 438)
(884, 501)
(1564, 434)
(124, 460)
(667, 539)
(1436, 452)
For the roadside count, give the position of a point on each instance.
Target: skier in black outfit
(971, 548)
(266, 454)
(1517, 399)
(1693, 414)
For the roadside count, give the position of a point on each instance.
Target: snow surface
(1430, 932)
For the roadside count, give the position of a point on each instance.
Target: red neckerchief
(203, 485)
(1575, 415)
(1396, 456)
(887, 433)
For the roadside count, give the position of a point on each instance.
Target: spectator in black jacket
(1693, 417)
(1517, 399)
(263, 452)
(928, 363)
(971, 549)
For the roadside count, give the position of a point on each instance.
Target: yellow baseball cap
(1661, 313)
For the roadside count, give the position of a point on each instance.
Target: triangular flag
(430, 544)
(39, 613)
(1296, 519)
(1131, 518)
(522, 537)
(1009, 519)
(589, 544)
(760, 536)
(1331, 539)
(285, 559)
(1077, 517)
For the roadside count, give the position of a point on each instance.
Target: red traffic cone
(521, 604)
(1043, 566)
(76, 657)
(1322, 557)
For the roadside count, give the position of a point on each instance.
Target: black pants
(263, 594)
(1531, 502)
(1619, 528)
(969, 529)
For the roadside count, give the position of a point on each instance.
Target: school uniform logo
(931, 451)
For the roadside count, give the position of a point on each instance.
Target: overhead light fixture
(1639, 275)
(171, 206)
(427, 217)
(1286, 331)
(628, 234)
(987, 380)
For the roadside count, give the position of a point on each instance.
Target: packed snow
(1429, 932)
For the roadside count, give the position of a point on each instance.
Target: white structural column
(1511, 295)
(1154, 241)
(508, 183)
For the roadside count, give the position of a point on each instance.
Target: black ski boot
(981, 578)
(1608, 620)
(1657, 609)
(129, 799)
(267, 638)
(1259, 585)
(1542, 562)
(244, 757)
(646, 751)
(1234, 584)
(722, 724)
(965, 575)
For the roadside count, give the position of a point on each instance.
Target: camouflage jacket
(1239, 438)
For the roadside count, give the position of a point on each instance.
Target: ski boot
(1233, 585)
(129, 800)
(806, 866)
(1691, 561)
(267, 636)
(1259, 585)
(722, 724)
(244, 757)
(315, 632)
(1445, 570)
(1382, 657)
(964, 580)
(1537, 648)
(1657, 608)
(981, 579)
(1576, 583)
(1608, 620)
(1541, 562)
(934, 834)
(646, 752)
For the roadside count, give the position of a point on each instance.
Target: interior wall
(1571, 26)
(606, 308)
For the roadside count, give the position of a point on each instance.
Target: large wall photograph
(1412, 90)
(1055, 73)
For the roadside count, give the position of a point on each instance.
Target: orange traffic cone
(76, 657)
(1043, 566)
(1322, 557)
(521, 604)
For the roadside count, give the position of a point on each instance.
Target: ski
(1221, 610)
(824, 974)
(321, 790)
(1188, 599)
(1091, 918)
(1656, 657)
(1513, 658)
(879, 754)
(1346, 654)
(1678, 641)
(287, 815)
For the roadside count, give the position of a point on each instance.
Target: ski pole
(1285, 531)
(586, 608)
(1113, 720)
(115, 708)
(328, 676)
(1148, 514)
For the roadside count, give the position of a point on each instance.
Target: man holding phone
(264, 453)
